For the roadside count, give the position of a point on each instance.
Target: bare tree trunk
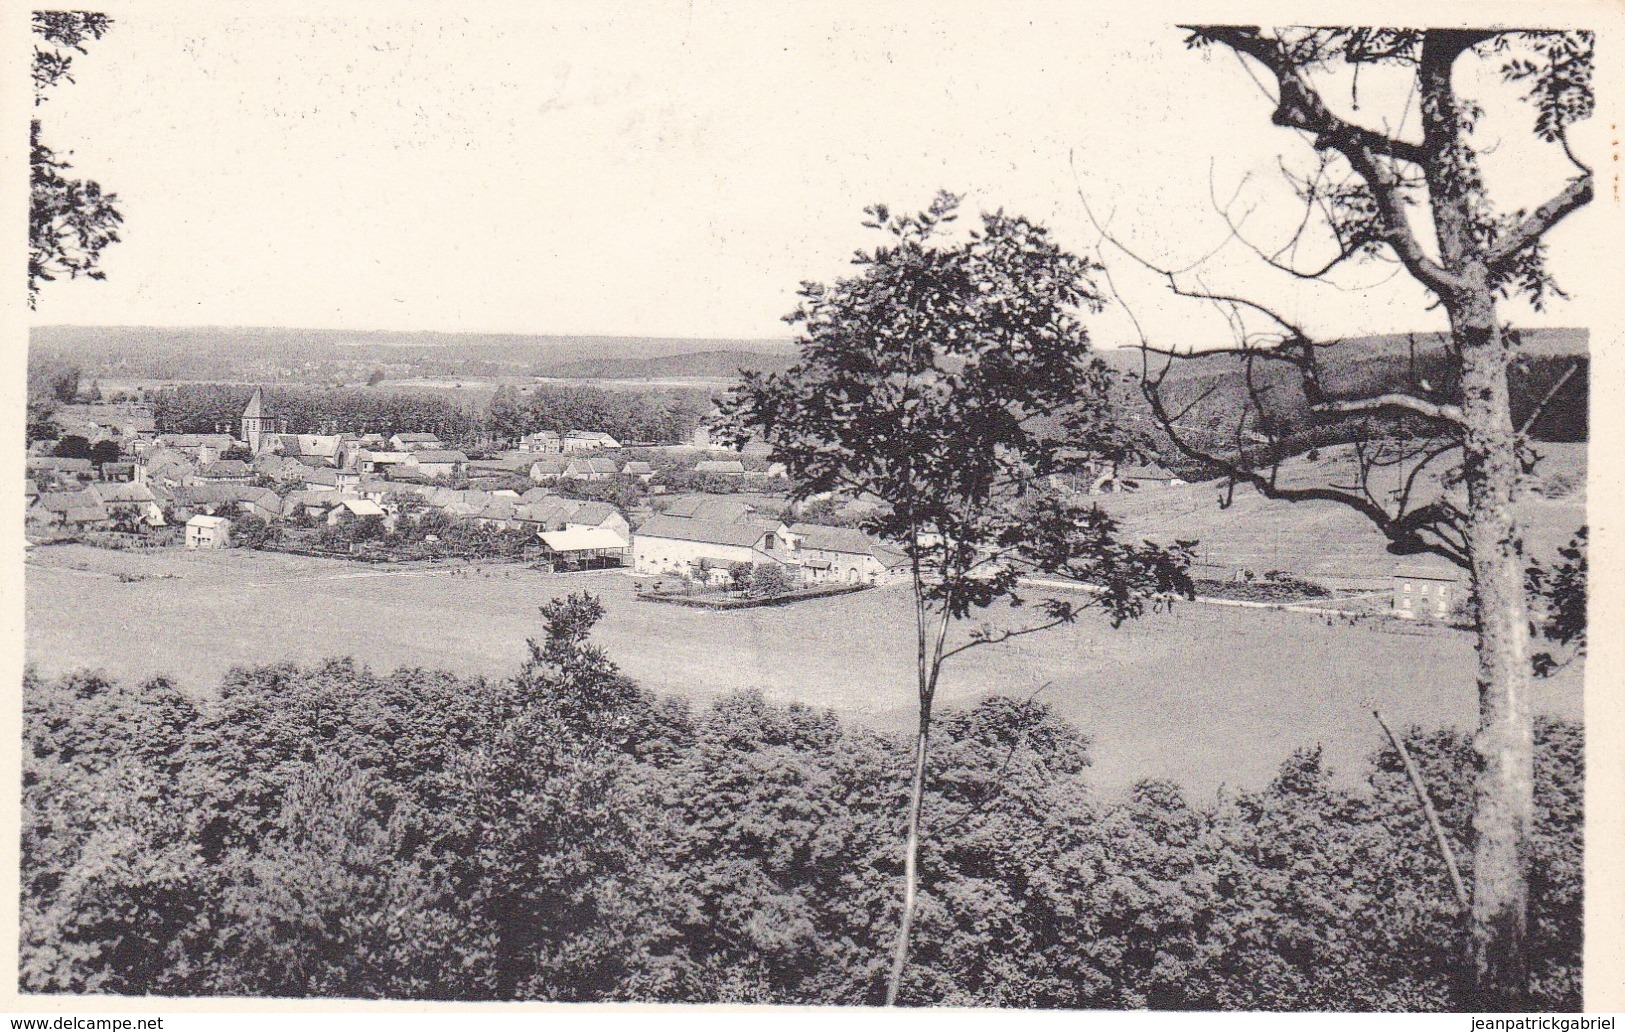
(930, 665)
(916, 804)
(1504, 803)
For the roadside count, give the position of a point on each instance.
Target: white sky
(663, 169)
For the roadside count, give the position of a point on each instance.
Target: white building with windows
(1425, 592)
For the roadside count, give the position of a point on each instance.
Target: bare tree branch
(1573, 197)
(1431, 409)
(1428, 811)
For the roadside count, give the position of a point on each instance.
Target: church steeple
(255, 421)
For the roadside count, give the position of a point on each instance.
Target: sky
(676, 169)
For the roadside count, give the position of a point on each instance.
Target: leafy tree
(1447, 427)
(505, 415)
(251, 531)
(70, 220)
(375, 378)
(103, 451)
(544, 830)
(1562, 590)
(73, 446)
(933, 379)
(126, 518)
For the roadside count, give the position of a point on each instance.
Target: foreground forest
(565, 835)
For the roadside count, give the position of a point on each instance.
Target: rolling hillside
(1215, 389)
(315, 356)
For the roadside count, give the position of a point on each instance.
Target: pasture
(1206, 695)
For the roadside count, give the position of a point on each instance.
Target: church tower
(256, 423)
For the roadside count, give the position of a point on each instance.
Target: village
(213, 491)
(565, 501)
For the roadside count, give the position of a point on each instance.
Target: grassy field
(1204, 696)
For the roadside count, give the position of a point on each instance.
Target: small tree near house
(943, 378)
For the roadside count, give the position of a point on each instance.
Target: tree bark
(929, 667)
(911, 855)
(1504, 798)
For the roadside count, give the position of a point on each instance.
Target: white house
(208, 532)
(843, 555)
(1426, 592)
(546, 442)
(710, 548)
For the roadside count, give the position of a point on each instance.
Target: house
(225, 471)
(213, 499)
(80, 468)
(590, 469)
(324, 450)
(75, 509)
(208, 532)
(584, 549)
(415, 442)
(165, 468)
(588, 440)
(353, 508)
(642, 470)
(597, 516)
(708, 507)
(843, 555)
(707, 548)
(371, 461)
(546, 442)
(138, 497)
(500, 513)
(439, 465)
(309, 503)
(548, 467)
(720, 467)
(316, 478)
(1424, 592)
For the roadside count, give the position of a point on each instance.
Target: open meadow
(1204, 696)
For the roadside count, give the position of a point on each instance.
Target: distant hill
(316, 355)
(698, 364)
(1215, 388)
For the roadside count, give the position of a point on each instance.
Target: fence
(716, 601)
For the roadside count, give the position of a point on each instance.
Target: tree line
(628, 415)
(565, 835)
